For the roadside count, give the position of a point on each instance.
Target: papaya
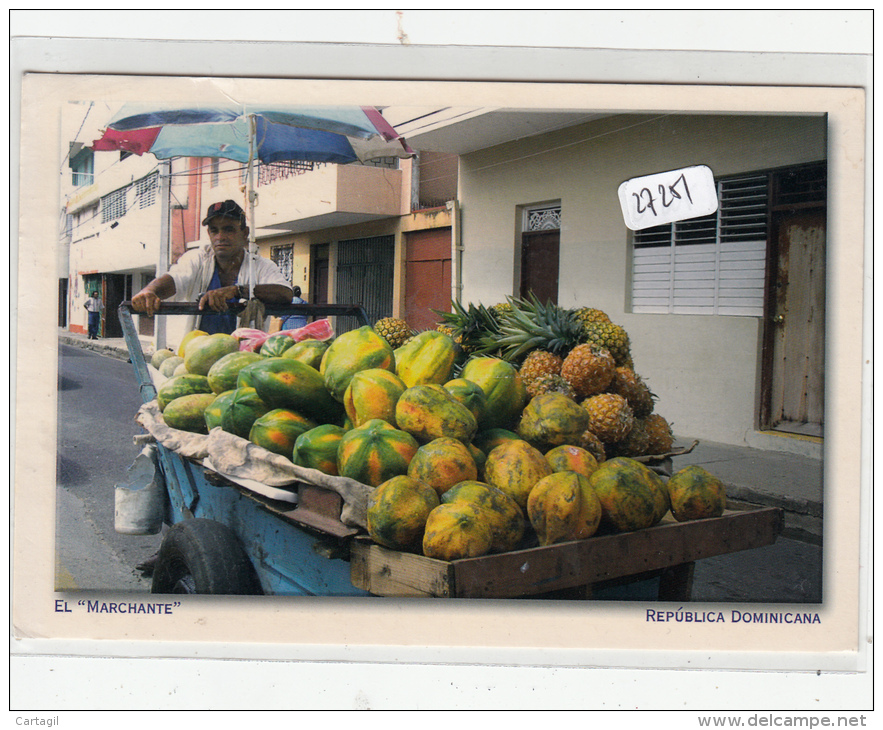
(442, 463)
(505, 392)
(397, 511)
(470, 395)
(180, 385)
(429, 412)
(455, 531)
(374, 452)
(187, 412)
(373, 393)
(169, 366)
(696, 494)
(490, 438)
(236, 411)
(356, 350)
(309, 352)
(317, 448)
(276, 344)
(284, 383)
(514, 467)
(223, 375)
(214, 409)
(204, 352)
(157, 358)
(552, 419)
(572, 458)
(480, 459)
(633, 496)
(503, 515)
(278, 429)
(192, 335)
(563, 507)
(427, 358)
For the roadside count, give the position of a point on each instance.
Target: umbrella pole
(249, 177)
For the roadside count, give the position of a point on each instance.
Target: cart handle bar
(276, 310)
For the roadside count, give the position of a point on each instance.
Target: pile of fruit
(522, 423)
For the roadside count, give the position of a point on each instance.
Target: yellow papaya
(514, 467)
(397, 511)
(429, 412)
(563, 507)
(455, 531)
(373, 393)
(696, 494)
(503, 515)
(442, 463)
(427, 358)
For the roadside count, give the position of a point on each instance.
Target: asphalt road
(98, 398)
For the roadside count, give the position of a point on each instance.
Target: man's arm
(273, 293)
(148, 300)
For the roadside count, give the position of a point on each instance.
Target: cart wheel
(203, 556)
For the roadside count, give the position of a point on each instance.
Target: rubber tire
(203, 556)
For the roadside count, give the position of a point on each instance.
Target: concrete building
(725, 312)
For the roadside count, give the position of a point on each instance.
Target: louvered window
(710, 265)
(145, 191)
(282, 257)
(113, 205)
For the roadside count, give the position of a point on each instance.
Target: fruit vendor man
(216, 275)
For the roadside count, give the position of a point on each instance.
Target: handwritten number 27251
(664, 193)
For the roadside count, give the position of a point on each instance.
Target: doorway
(539, 266)
(427, 277)
(794, 369)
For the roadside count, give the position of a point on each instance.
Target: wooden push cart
(227, 538)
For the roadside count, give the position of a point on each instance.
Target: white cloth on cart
(243, 461)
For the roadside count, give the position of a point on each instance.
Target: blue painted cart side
(288, 558)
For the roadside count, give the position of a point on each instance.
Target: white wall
(705, 369)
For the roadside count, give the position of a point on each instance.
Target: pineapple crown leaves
(531, 325)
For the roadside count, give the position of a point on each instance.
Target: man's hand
(216, 299)
(146, 302)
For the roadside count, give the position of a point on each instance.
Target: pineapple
(635, 444)
(588, 369)
(537, 364)
(469, 326)
(610, 417)
(499, 310)
(659, 433)
(591, 443)
(630, 386)
(587, 315)
(611, 337)
(551, 383)
(531, 325)
(395, 331)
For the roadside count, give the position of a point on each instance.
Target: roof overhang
(460, 130)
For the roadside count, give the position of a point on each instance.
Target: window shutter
(709, 265)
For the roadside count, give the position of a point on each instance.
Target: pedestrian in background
(93, 306)
(295, 321)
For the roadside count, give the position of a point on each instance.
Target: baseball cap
(229, 209)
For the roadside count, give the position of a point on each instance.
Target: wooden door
(427, 277)
(117, 288)
(539, 265)
(319, 274)
(795, 372)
